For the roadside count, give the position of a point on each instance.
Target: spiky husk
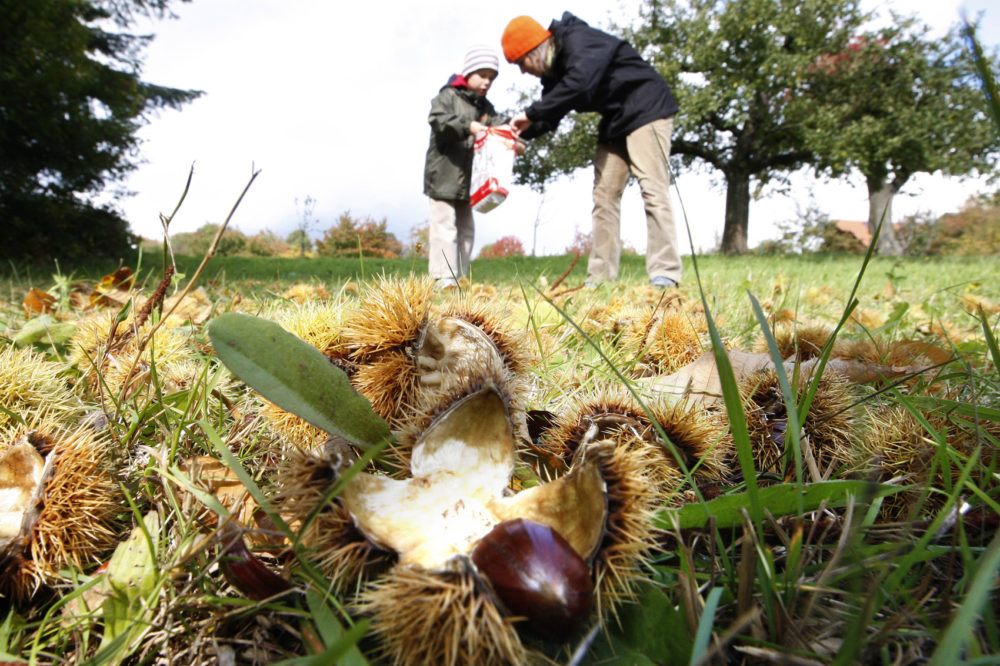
(438, 618)
(306, 293)
(633, 498)
(319, 324)
(599, 317)
(834, 425)
(796, 339)
(699, 436)
(389, 316)
(32, 387)
(189, 375)
(900, 449)
(377, 337)
(391, 384)
(108, 357)
(75, 523)
(668, 339)
(196, 307)
(341, 551)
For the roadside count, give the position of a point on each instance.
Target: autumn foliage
(973, 230)
(508, 246)
(582, 243)
(352, 237)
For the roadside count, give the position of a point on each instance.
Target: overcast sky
(330, 100)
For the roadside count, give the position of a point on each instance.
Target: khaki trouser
(644, 152)
(452, 233)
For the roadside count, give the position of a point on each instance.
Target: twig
(201, 267)
(166, 220)
(162, 288)
(576, 258)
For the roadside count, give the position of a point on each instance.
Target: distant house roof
(859, 230)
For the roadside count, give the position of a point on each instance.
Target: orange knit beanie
(520, 36)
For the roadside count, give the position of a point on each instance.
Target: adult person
(459, 111)
(585, 69)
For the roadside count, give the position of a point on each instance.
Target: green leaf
(651, 631)
(295, 376)
(332, 631)
(131, 579)
(782, 499)
(44, 328)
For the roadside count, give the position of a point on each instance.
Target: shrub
(351, 237)
(508, 246)
(973, 230)
(582, 243)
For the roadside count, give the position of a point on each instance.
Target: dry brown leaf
(121, 279)
(700, 379)
(911, 351)
(216, 478)
(972, 303)
(38, 302)
(113, 289)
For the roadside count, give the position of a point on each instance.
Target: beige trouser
(644, 152)
(452, 233)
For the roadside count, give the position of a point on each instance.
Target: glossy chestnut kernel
(536, 574)
(247, 573)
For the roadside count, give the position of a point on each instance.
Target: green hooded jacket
(448, 167)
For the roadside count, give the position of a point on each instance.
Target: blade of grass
(794, 428)
(952, 645)
(705, 625)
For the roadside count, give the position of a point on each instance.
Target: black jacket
(595, 71)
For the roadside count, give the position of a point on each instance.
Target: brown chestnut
(244, 571)
(536, 574)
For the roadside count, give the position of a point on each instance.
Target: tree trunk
(734, 234)
(880, 196)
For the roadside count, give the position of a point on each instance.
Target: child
(458, 113)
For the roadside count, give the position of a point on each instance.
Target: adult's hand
(520, 122)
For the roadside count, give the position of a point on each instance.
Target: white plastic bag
(492, 168)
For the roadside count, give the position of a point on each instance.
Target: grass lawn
(840, 507)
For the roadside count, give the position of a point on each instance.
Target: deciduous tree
(359, 237)
(894, 103)
(736, 69)
(508, 246)
(300, 237)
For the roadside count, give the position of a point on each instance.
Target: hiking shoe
(445, 284)
(663, 282)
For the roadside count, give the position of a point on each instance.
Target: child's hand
(475, 127)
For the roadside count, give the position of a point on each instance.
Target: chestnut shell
(536, 574)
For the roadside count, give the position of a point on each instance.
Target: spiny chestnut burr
(536, 574)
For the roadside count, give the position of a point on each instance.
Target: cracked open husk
(57, 505)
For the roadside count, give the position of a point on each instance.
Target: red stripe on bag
(488, 188)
